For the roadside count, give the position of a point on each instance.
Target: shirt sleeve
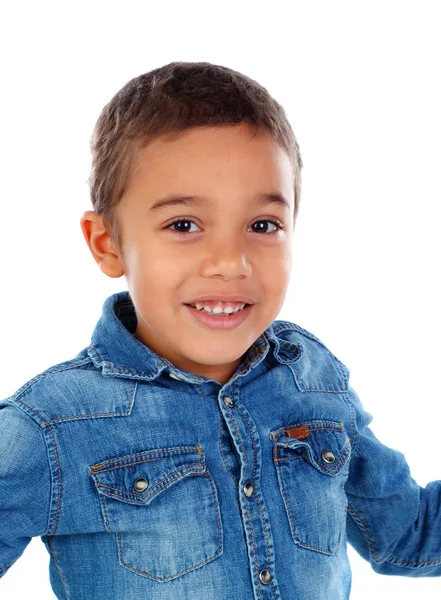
(392, 522)
(24, 483)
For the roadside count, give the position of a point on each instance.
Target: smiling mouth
(219, 318)
(218, 310)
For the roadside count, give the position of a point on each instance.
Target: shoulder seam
(55, 369)
(340, 367)
(289, 326)
(56, 483)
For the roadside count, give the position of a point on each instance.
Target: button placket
(254, 514)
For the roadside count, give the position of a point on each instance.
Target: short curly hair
(169, 100)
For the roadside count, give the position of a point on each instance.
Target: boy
(197, 448)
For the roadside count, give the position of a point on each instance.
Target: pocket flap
(324, 444)
(138, 478)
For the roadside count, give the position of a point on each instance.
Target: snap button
(248, 489)
(173, 376)
(228, 401)
(328, 457)
(264, 576)
(140, 484)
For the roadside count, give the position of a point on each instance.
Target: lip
(220, 321)
(221, 298)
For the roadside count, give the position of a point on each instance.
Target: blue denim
(147, 481)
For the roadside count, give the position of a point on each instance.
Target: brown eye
(265, 226)
(183, 226)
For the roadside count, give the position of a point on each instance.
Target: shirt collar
(118, 353)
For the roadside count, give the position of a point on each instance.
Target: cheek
(148, 257)
(156, 272)
(276, 271)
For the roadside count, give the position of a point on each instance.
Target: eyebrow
(178, 200)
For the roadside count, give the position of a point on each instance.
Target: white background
(360, 82)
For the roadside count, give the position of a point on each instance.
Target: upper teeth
(219, 309)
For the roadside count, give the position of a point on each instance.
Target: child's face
(220, 246)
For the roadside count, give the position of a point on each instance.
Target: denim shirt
(149, 481)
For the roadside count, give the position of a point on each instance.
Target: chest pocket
(312, 466)
(163, 507)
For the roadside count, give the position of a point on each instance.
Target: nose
(226, 258)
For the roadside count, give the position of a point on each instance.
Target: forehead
(209, 159)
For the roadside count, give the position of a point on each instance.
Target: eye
(265, 226)
(183, 226)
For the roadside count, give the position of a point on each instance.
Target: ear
(101, 244)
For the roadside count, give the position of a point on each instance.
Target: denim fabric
(152, 482)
